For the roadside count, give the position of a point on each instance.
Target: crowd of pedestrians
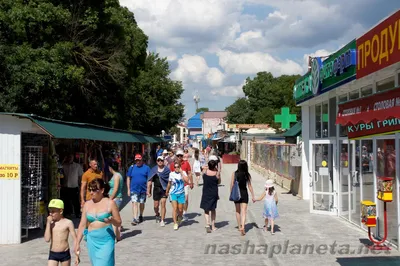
(169, 180)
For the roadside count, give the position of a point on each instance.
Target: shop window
(354, 95)
(384, 85)
(366, 170)
(366, 91)
(332, 117)
(325, 120)
(386, 167)
(318, 121)
(342, 129)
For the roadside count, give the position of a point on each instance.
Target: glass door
(323, 192)
(348, 179)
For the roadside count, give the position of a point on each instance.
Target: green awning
(71, 130)
(294, 131)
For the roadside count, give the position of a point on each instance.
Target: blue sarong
(163, 176)
(101, 246)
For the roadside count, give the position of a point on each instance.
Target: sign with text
(380, 47)
(375, 127)
(337, 69)
(379, 107)
(248, 126)
(9, 171)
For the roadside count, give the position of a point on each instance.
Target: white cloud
(194, 69)
(215, 77)
(277, 14)
(167, 52)
(229, 91)
(251, 63)
(318, 53)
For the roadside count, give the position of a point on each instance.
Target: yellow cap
(56, 203)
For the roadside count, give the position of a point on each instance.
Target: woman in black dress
(210, 197)
(243, 177)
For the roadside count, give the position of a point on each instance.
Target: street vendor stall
(31, 157)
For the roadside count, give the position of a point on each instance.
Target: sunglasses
(160, 160)
(93, 189)
(179, 155)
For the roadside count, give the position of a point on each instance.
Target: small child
(57, 231)
(270, 204)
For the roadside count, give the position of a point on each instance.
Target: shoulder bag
(235, 193)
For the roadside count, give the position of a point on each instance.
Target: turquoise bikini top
(92, 217)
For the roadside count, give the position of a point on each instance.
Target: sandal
(242, 232)
(208, 229)
(215, 229)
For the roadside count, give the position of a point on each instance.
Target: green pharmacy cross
(285, 118)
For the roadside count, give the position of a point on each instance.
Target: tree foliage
(265, 96)
(202, 109)
(83, 61)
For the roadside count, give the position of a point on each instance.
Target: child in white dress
(270, 212)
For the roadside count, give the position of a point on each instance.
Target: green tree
(239, 112)
(79, 60)
(265, 96)
(202, 109)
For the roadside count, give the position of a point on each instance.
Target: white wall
(10, 190)
(305, 172)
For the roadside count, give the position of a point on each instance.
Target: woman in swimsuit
(99, 215)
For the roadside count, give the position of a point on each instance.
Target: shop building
(350, 104)
(31, 163)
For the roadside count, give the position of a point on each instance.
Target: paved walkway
(298, 231)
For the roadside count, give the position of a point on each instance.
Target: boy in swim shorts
(57, 232)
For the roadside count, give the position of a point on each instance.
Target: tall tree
(77, 60)
(265, 96)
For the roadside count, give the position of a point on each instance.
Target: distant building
(194, 125)
(213, 121)
(183, 133)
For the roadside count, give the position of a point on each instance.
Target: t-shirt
(138, 176)
(185, 167)
(88, 177)
(177, 183)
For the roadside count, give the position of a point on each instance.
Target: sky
(213, 45)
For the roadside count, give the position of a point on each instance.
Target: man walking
(159, 175)
(92, 173)
(185, 166)
(72, 173)
(137, 187)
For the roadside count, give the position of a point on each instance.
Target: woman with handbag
(241, 180)
(210, 197)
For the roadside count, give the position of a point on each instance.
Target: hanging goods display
(31, 182)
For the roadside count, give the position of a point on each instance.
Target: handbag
(235, 193)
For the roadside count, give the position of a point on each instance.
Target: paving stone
(150, 244)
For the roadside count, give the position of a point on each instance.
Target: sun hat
(213, 158)
(179, 152)
(56, 203)
(138, 157)
(165, 152)
(269, 183)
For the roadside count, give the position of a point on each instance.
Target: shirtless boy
(57, 231)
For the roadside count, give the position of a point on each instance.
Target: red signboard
(380, 47)
(376, 114)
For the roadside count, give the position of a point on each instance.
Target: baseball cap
(179, 152)
(138, 157)
(213, 158)
(165, 152)
(56, 203)
(160, 158)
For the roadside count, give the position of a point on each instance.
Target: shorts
(180, 198)
(60, 256)
(136, 197)
(159, 193)
(118, 202)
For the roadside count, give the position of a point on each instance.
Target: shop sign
(338, 69)
(380, 47)
(334, 71)
(375, 127)
(9, 171)
(302, 89)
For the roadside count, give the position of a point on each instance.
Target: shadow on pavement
(383, 260)
(187, 223)
(131, 234)
(221, 224)
(192, 215)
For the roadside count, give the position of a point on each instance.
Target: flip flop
(208, 229)
(242, 232)
(215, 229)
